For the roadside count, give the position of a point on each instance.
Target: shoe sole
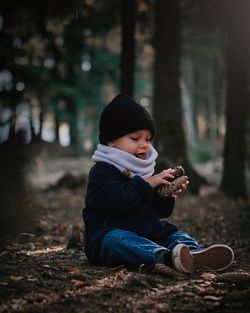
(215, 257)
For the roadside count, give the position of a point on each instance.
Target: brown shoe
(216, 257)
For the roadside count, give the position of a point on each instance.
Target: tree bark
(237, 97)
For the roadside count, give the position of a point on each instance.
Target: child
(123, 211)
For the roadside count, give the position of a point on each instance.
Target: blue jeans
(125, 247)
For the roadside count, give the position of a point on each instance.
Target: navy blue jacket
(115, 201)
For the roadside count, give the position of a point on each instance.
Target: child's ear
(110, 144)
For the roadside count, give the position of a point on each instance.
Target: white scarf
(125, 161)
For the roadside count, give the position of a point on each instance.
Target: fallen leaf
(16, 278)
(31, 278)
(78, 283)
(75, 270)
(207, 275)
(214, 298)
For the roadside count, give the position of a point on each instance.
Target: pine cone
(165, 191)
(233, 277)
(164, 269)
(179, 171)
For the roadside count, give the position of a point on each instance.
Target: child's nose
(144, 143)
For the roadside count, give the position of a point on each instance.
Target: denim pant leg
(181, 237)
(125, 247)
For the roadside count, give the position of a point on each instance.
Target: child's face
(136, 143)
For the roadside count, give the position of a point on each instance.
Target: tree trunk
(72, 109)
(57, 122)
(237, 97)
(32, 129)
(187, 98)
(41, 118)
(167, 109)
(128, 13)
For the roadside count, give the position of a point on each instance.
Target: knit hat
(121, 117)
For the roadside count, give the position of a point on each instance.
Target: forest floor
(46, 270)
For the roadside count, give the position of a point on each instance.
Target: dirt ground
(46, 270)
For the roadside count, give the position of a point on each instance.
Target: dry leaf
(78, 283)
(214, 298)
(31, 278)
(207, 275)
(75, 271)
(16, 278)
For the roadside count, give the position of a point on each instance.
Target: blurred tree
(13, 206)
(203, 76)
(167, 109)
(60, 52)
(237, 25)
(53, 53)
(223, 63)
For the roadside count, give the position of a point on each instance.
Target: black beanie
(121, 117)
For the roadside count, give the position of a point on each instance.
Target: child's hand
(161, 178)
(183, 188)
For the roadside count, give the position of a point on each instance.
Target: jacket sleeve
(109, 193)
(163, 207)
